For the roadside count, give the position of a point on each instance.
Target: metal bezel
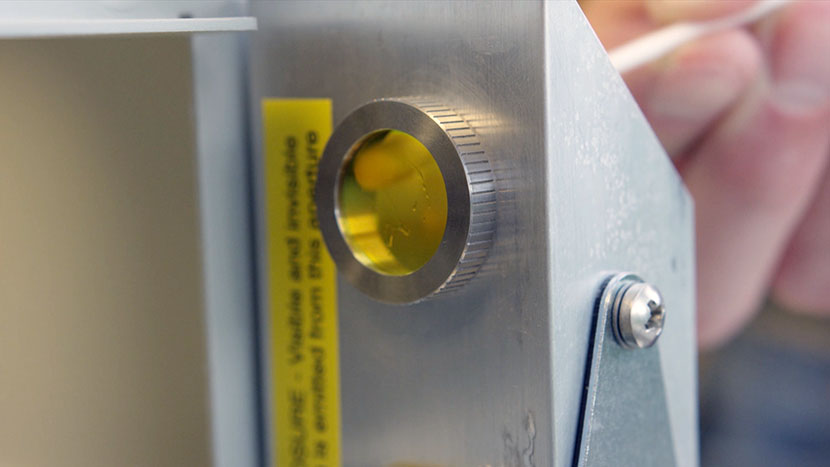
(402, 116)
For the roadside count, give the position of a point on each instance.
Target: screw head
(637, 311)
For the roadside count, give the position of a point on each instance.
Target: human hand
(745, 115)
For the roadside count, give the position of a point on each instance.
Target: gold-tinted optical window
(392, 203)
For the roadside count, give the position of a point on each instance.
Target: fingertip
(797, 43)
(670, 11)
(717, 325)
(617, 22)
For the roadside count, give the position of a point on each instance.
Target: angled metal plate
(625, 419)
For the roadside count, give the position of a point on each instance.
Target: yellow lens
(392, 203)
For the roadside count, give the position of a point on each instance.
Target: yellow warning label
(305, 381)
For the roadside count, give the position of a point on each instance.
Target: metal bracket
(625, 418)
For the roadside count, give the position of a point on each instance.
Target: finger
(685, 93)
(753, 178)
(617, 22)
(803, 278)
(670, 11)
(693, 88)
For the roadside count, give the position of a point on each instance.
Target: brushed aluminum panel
(492, 375)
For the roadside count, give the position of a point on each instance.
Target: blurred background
(765, 396)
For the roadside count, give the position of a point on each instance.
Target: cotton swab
(656, 44)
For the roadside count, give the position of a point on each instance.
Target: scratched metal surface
(493, 374)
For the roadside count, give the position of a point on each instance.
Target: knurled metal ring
(471, 197)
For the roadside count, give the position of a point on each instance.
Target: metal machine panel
(493, 374)
(219, 125)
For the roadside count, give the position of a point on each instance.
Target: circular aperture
(391, 202)
(406, 200)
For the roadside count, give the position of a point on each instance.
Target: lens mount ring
(471, 197)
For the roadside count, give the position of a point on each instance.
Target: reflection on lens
(392, 203)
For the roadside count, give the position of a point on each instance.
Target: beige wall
(102, 358)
